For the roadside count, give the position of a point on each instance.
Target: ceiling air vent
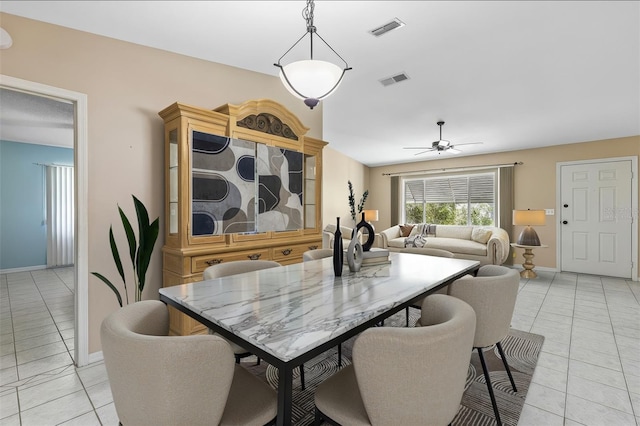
(396, 23)
(394, 79)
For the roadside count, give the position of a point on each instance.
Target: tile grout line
(613, 332)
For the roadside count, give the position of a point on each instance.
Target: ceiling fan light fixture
(311, 80)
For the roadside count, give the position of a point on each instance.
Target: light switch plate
(549, 212)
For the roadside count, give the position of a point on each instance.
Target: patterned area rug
(521, 348)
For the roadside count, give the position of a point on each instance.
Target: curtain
(60, 215)
(505, 204)
(395, 200)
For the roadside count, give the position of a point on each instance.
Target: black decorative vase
(370, 233)
(337, 250)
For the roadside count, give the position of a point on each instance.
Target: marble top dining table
(290, 314)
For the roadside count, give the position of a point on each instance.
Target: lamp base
(528, 237)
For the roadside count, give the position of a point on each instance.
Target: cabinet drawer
(200, 263)
(291, 251)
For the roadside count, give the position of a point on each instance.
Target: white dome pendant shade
(311, 80)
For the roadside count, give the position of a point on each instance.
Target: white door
(596, 219)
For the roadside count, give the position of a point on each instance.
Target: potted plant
(140, 250)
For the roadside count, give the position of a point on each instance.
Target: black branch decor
(352, 201)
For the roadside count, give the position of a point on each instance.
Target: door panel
(596, 239)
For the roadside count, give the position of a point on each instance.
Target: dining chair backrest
(316, 254)
(416, 375)
(225, 269)
(160, 380)
(428, 251)
(492, 295)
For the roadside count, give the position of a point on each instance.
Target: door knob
(564, 222)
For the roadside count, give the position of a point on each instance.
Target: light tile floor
(588, 372)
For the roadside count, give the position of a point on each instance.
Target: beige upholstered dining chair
(379, 390)
(157, 379)
(427, 251)
(234, 268)
(316, 254)
(492, 295)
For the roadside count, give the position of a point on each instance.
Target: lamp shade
(528, 236)
(370, 215)
(529, 217)
(311, 79)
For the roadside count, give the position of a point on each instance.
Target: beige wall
(535, 181)
(127, 85)
(338, 171)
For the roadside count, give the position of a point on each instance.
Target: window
(451, 200)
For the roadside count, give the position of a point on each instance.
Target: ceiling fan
(441, 145)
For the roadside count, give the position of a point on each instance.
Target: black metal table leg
(285, 395)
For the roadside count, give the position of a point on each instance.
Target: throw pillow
(419, 229)
(481, 235)
(415, 241)
(405, 230)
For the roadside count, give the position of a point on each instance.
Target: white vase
(354, 253)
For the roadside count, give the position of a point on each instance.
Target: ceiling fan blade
(426, 151)
(453, 150)
(469, 143)
(417, 147)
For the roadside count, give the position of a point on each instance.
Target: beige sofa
(487, 244)
(328, 236)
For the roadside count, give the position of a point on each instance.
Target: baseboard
(95, 357)
(554, 270)
(537, 268)
(24, 269)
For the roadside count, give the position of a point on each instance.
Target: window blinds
(477, 188)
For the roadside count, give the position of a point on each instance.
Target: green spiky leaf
(111, 286)
(131, 237)
(116, 254)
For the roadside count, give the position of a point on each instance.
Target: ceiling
(35, 119)
(512, 75)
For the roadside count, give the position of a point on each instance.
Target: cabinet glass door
(309, 191)
(173, 181)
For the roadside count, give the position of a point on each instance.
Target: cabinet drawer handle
(213, 262)
(313, 247)
(254, 256)
(287, 252)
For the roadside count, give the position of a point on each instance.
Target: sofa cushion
(397, 242)
(457, 245)
(481, 235)
(454, 231)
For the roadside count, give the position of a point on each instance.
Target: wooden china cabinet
(212, 165)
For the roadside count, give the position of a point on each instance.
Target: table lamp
(528, 236)
(370, 215)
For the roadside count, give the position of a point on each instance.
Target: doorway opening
(80, 257)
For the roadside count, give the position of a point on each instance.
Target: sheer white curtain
(60, 215)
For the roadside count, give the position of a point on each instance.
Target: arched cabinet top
(266, 116)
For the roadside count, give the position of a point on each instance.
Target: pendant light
(311, 80)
